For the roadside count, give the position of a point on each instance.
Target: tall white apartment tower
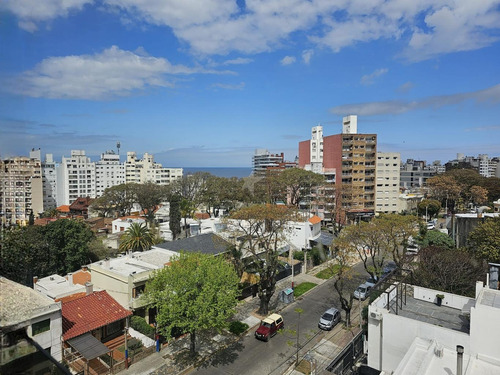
(108, 172)
(387, 187)
(49, 179)
(75, 178)
(316, 151)
(350, 124)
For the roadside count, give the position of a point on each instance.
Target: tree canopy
(137, 237)
(484, 240)
(437, 239)
(59, 247)
(196, 292)
(260, 230)
(449, 270)
(429, 207)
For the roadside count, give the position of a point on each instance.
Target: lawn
(302, 288)
(328, 272)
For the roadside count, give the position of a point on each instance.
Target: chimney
(89, 288)
(35, 280)
(85, 268)
(70, 278)
(460, 359)
(106, 262)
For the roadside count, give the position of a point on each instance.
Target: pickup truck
(269, 327)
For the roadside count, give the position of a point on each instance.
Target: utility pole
(126, 343)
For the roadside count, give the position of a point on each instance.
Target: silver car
(363, 291)
(329, 319)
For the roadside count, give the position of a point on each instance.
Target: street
(252, 356)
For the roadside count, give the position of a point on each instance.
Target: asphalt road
(252, 356)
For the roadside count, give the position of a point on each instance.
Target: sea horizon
(227, 172)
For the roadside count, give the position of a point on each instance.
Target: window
(40, 327)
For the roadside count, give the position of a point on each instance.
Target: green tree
(25, 253)
(136, 237)
(260, 231)
(175, 215)
(429, 208)
(298, 184)
(117, 199)
(484, 240)
(448, 270)
(437, 239)
(196, 292)
(187, 209)
(149, 196)
(343, 273)
(60, 247)
(68, 242)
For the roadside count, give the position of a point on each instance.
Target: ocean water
(220, 171)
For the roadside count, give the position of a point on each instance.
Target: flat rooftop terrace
(428, 312)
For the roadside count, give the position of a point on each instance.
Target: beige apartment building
(21, 189)
(387, 188)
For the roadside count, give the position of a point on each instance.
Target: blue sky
(205, 83)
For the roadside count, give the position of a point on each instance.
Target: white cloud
(427, 28)
(287, 60)
(488, 95)
(307, 55)
(369, 79)
(31, 12)
(405, 87)
(239, 86)
(238, 61)
(113, 72)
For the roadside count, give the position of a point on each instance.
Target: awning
(88, 346)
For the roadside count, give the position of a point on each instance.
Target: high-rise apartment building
(75, 178)
(387, 189)
(21, 189)
(263, 162)
(414, 174)
(108, 172)
(49, 179)
(147, 170)
(349, 159)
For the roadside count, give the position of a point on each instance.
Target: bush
(237, 327)
(298, 255)
(302, 288)
(140, 324)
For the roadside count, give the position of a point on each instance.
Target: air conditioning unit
(376, 315)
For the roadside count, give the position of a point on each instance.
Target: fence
(343, 363)
(251, 290)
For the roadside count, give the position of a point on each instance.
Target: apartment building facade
(21, 189)
(414, 174)
(349, 161)
(387, 188)
(147, 170)
(109, 172)
(75, 178)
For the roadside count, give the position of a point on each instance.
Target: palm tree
(137, 237)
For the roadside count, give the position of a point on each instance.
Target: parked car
(389, 267)
(329, 319)
(363, 291)
(269, 327)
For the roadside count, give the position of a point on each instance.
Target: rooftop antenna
(118, 147)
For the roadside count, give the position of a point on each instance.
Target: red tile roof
(81, 277)
(315, 220)
(90, 312)
(63, 208)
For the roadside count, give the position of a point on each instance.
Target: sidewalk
(167, 361)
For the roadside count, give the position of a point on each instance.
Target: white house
(27, 312)
(408, 333)
(301, 233)
(123, 223)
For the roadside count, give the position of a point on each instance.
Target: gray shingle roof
(208, 243)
